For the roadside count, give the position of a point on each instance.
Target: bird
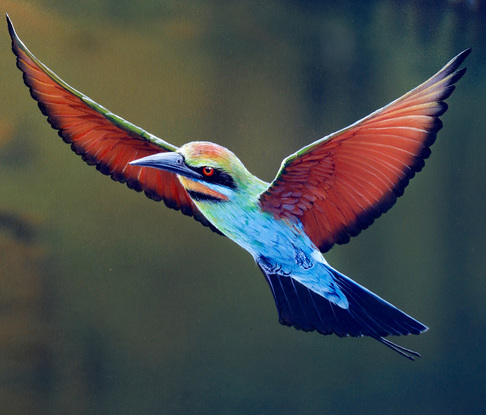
(322, 195)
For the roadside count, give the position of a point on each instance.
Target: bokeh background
(111, 303)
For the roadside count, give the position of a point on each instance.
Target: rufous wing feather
(102, 138)
(338, 185)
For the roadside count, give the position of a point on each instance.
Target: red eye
(208, 171)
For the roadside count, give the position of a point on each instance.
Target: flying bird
(323, 194)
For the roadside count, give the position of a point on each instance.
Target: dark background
(112, 303)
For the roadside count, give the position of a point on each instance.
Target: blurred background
(112, 303)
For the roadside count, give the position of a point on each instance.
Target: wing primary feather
(99, 136)
(363, 168)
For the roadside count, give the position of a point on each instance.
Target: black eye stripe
(219, 177)
(202, 197)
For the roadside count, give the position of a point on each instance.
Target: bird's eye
(208, 171)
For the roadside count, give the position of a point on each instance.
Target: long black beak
(171, 161)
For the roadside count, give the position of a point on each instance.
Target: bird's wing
(102, 138)
(339, 184)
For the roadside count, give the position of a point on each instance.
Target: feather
(353, 176)
(366, 315)
(100, 137)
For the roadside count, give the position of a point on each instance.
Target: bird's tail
(366, 315)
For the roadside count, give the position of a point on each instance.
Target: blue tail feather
(367, 314)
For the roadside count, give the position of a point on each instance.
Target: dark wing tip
(453, 65)
(452, 68)
(13, 34)
(11, 29)
(459, 59)
(458, 75)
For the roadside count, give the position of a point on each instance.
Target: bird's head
(208, 172)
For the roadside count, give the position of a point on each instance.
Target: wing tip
(460, 58)
(458, 75)
(11, 29)
(452, 66)
(16, 42)
(13, 36)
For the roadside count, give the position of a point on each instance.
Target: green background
(111, 303)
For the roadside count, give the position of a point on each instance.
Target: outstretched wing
(339, 184)
(102, 138)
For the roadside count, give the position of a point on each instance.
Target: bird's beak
(171, 161)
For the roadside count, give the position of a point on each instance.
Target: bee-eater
(322, 195)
